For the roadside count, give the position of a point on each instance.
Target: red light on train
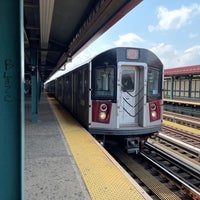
(101, 111)
(132, 54)
(154, 110)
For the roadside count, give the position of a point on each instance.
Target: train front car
(126, 95)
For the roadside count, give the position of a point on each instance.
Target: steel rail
(177, 159)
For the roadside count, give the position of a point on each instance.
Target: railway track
(178, 146)
(184, 172)
(182, 135)
(145, 178)
(168, 166)
(193, 122)
(180, 141)
(161, 173)
(173, 156)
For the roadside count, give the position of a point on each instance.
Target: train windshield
(103, 87)
(154, 86)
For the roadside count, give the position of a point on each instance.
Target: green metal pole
(39, 85)
(11, 100)
(190, 87)
(172, 88)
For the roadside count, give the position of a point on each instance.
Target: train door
(128, 109)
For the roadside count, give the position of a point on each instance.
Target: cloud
(174, 19)
(166, 53)
(193, 35)
(174, 58)
(129, 39)
(191, 55)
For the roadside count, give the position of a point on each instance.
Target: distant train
(117, 93)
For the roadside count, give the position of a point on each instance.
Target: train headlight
(154, 114)
(155, 110)
(102, 115)
(101, 111)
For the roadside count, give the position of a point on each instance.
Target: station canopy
(59, 29)
(186, 70)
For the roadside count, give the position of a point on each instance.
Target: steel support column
(39, 83)
(172, 88)
(11, 100)
(34, 87)
(190, 86)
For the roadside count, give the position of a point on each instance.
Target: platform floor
(50, 170)
(182, 127)
(63, 161)
(183, 102)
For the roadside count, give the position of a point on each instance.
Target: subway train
(118, 93)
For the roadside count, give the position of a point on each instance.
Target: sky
(169, 28)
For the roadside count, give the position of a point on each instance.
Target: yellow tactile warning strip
(103, 177)
(179, 126)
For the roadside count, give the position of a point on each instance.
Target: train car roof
(146, 55)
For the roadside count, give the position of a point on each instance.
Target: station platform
(182, 127)
(182, 102)
(63, 161)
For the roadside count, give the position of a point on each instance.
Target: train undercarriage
(131, 144)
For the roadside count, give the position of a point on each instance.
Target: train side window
(128, 80)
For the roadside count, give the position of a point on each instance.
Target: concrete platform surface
(50, 170)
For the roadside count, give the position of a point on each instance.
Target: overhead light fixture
(46, 13)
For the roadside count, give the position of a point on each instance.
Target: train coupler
(133, 145)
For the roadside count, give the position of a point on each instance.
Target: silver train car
(118, 93)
